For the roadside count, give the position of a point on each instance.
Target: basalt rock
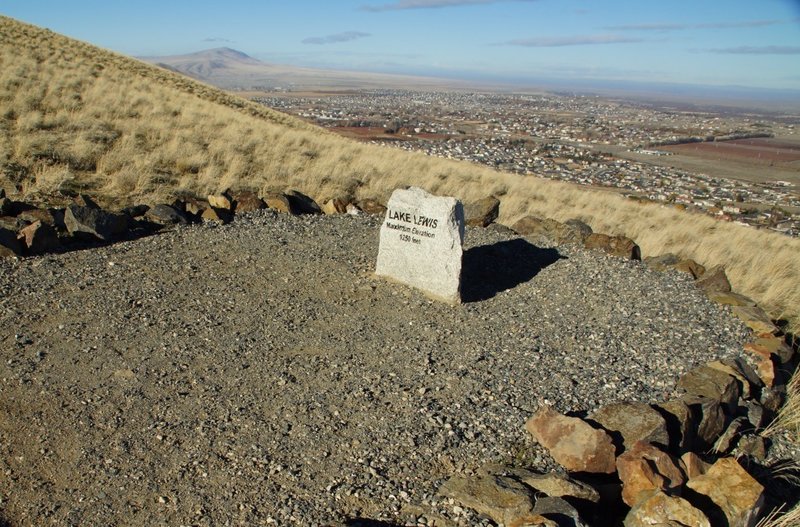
(704, 381)
(633, 422)
(503, 499)
(94, 223)
(714, 281)
(646, 467)
(166, 215)
(756, 319)
(736, 494)
(39, 238)
(302, 204)
(9, 244)
(621, 246)
(481, 213)
(658, 509)
(572, 442)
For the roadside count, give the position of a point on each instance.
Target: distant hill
(76, 118)
(229, 68)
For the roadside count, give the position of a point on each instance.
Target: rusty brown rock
(714, 280)
(503, 499)
(771, 345)
(551, 484)
(681, 424)
(217, 215)
(646, 467)
(220, 201)
(371, 206)
(278, 202)
(704, 381)
(247, 201)
(621, 246)
(690, 267)
(657, 509)
(711, 420)
(481, 213)
(730, 298)
(572, 442)
(634, 422)
(756, 319)
(692, 465)
(334, 206)
(733, 491)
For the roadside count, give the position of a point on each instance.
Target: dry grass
(780, 518)
(73, 116)
(788, 418)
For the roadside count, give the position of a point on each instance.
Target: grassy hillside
(74, 117)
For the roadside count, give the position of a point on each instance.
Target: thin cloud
(218, 39)
(347, 36)
(579, 40)
(711, 25)
(399, 5)
(758, 50)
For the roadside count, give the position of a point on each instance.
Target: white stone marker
(421, 243)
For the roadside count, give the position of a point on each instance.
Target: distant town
(742, 167)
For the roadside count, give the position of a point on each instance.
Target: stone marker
(421, 243)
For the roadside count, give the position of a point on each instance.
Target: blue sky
(754, 43)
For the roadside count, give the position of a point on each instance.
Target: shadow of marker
(491, 269)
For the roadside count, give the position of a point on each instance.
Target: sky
(750, 43)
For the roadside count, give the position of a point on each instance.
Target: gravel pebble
(257, 373)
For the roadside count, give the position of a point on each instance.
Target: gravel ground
(257, 372)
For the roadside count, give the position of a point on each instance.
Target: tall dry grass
(75, 117)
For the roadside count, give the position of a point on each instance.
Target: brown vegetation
(75, 117)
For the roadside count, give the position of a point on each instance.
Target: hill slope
(229, 68)
(75, 117)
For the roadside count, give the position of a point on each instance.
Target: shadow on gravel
(491, 269)
(360, 522)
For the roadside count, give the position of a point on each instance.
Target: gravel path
(257, 373)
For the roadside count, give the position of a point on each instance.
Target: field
(74, 117)
(760, 160)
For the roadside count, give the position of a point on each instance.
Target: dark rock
(714, 280)
(82, 200)
(711, 420)
(6, 207)
(135, 211)
(40, 238)
(730, 437)
(13, 223)
(772, 399)
(757, 415)
(558, 510)
(481, 213)
(580, 230)
(94, 223)
(43, 215)
(681, 424)
(164, 214)
(621, 246)
(9, 244)
(302, 204)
